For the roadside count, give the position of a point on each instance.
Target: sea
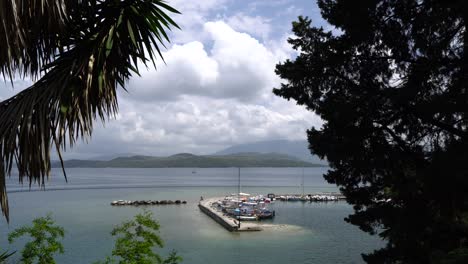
(82, 207)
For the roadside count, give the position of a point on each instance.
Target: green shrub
(44, 244)
(136, 240)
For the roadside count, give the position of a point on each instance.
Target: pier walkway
(226, 221)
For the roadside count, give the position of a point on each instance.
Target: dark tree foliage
(391, 88)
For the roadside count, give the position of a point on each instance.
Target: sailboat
(303, 197)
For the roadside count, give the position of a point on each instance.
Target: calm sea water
(82, 207)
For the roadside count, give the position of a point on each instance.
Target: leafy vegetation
(135, 243)
(44, 242)
(136, 240)
(81, 51)
(390, 84)
(191, 161)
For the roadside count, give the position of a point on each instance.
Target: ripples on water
(82, 207)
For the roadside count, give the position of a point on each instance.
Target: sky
(215, 89)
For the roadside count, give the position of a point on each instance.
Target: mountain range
(187, 160)
(273, 153)
(295, 148)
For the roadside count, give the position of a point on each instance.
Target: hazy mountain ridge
(187, 160)
(295, 148)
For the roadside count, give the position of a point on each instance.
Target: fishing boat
(266, 214)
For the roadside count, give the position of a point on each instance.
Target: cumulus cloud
(257, 26)
(213, 91)
(207, 97)
(189, 70)
(237, 66)
(194, 15)
(197, 125)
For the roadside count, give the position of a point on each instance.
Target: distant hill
(298, 149)
(111, 156)
(187, 160)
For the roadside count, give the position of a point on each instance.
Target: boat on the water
(245, 207)
(266, 214)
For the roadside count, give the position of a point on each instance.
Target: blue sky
(214, 90)
(260, 19)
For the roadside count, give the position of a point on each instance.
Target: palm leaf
(5, 255)
(29, 31)
(79, 85)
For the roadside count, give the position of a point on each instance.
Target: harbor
(297, 226)
(244, 212)
(210, 208)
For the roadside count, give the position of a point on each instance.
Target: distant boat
(193, 172)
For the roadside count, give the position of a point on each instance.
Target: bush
(44, 244)
(136, 240)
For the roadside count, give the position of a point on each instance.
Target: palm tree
(80, 52)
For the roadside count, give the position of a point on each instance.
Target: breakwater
(316, 197)
(146, 202)
(230, 226)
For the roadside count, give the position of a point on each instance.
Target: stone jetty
(146, 202)
(231, 224)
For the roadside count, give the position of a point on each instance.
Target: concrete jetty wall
(221, 220)
(227, 222)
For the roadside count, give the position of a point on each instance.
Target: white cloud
(214, 91)
(237, 66)
(189, 70)
(208, 96)
(255, 25)
(195, 124)
(194, 15)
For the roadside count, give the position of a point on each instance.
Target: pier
(315, 197)
(226, 221)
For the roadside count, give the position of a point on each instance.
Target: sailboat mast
(302, 181)
(238, 197)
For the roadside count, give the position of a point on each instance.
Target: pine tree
(391, 85)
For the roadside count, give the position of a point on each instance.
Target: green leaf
(170, 8)
(5, 255)
(130, 32)
(64, 109)
(100, 81)
(110, 41)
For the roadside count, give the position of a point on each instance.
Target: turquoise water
(319, 235)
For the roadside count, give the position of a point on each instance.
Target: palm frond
(79, 86)
(29, 34)
(5, 255)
